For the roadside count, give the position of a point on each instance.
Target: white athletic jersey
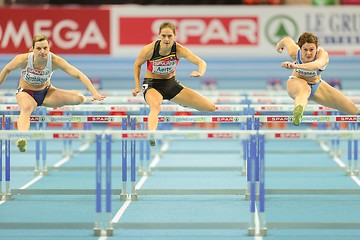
(34, 76)
(307, 73)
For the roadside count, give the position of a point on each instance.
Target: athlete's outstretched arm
(191, 57)
(144, 55)
(60, 63)
(14, 64)
(321, 61)
(290, 46)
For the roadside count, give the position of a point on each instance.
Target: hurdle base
(263, 232)
(8, 196)
(109, 232)
(356, 173)
(348, 173)
(37, 172)
(123, 197)
(134, 196)
(45, 172)
(97, 232)
(251, 231)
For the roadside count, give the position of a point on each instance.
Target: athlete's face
(308, 51)
(167, 36)
(41, 49)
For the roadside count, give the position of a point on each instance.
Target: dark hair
(307, 37)
(168, 24)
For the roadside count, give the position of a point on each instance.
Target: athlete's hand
(97, 96)
(279, 47)
(280, 50)
(195, 74)
(135, 91)
(288, 65)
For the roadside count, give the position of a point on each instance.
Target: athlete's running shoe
(152, 142)
(21, 144)
(298, 114)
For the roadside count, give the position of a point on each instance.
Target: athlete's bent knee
(80, 98)
(211, 108)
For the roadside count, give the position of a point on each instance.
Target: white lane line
(165, 146)
(84, 147)
(103, 235)
(123, 208)
(32, 182)
(339, 162)
(121, 211)
(343, 165)
(257, 225)
(324, 147)
(141, 182)
(356, 179)
(155, 161)
(62, 161)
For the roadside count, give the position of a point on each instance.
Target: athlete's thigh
(153, 97)
(26, 101)
(191, 98)
(329, 96)
(57, 97)
(296, 86)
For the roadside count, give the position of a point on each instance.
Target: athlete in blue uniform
(35, 89)
(162, 57)
(305, 82)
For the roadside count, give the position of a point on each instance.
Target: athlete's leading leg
(154, 100)
(299, 90)
(193, 99)
(27, 105)
(57, 97)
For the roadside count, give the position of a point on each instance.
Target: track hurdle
(98, 228)
(124, 195)
(184, 119)
(352, 168)
(7, 194)
(98, 136)
(211, 135)
(9, 135)
(64, 136)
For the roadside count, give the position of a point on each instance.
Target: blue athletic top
(307, 73)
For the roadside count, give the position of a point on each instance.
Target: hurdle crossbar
(76, 119)
(172, 108)
(308, 134)
(243, 118)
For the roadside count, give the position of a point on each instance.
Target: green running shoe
(152, 142)
(298, 114)
(21, 144)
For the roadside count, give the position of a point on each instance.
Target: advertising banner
(71, 30)
(237, 30)
(122, 30)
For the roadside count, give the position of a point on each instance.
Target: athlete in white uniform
(305, 82)
(160, 83)
(35, 88)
